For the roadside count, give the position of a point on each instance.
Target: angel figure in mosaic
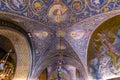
(112, 49)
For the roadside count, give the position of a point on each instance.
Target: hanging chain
(60, 60)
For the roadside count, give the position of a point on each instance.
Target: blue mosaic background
(76, 12)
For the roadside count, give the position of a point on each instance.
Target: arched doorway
(7, 59)
(19, 39)
(103, 51)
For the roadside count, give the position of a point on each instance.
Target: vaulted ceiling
(48, 21)
(71, 11)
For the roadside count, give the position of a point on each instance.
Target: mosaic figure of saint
(111, 52)
(97, 2)
(18, 3)
(37, 6)
(116, 45)
(57, 11)
(94, 68)
(76, 6)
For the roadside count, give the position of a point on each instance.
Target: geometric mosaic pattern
(70, 11)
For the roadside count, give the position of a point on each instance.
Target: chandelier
(6, 68)
(60, 61)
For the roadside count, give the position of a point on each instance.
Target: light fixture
(5, 67)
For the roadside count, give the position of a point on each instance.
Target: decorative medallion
(37, 6)
(41, 34)
(118, 3)
(78, 6)
(17, 5)
(57, 12)
(60, 33)
(29, 13)
(98, 4)
(78, 34)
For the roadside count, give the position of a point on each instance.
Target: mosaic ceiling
(58, 12)
(73, 20)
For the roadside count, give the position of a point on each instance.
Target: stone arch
(22, 48)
